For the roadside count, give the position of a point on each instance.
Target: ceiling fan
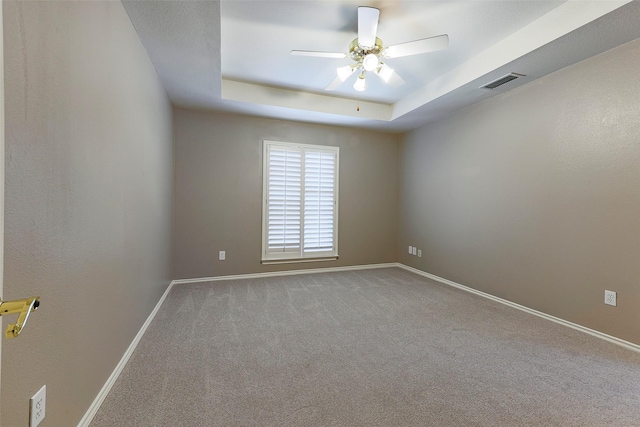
(368, 51)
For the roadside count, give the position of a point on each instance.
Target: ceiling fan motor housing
(357, 52)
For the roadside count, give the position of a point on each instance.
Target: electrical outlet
(222, 255)
(611, 298)
(419, 253)
(37, 407)
(414, 251)
(410, 250)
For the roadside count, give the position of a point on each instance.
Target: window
(300, 202)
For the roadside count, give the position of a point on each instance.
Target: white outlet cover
(410, 250)
(222, 255)
(419, 253)
(414, 250)
(611, 298)
(37, 407)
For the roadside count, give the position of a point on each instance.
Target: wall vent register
(502, 80)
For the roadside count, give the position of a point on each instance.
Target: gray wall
(88, 199)
(218, 192)
(1, 171)
(534, 195)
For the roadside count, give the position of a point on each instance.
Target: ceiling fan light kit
(367, 50)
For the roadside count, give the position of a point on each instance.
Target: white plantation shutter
(300, 201)
(319, 201)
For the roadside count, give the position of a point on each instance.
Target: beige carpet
(380, 347)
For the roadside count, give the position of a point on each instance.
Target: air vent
(502, 80)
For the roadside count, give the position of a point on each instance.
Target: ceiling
(234, 55)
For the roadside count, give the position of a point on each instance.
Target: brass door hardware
(22, 306)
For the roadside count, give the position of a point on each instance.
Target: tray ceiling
(234, 55)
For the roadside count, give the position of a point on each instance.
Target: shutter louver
(284, 200)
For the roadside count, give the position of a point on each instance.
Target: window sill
(297, 260)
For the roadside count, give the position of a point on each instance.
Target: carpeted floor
(381, 347)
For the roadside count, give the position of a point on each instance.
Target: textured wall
(1, 171)
(218, 203)
(88, 199)
(534, 195)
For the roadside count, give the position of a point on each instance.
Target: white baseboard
(93, 409)
(626, 344)
(285, 273)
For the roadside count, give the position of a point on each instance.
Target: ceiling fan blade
(318, 54)
(395, 80)
(416, 47)
(367, 26)
(334, 84)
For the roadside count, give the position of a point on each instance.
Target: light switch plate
(222, 255)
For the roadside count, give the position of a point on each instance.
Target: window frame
(272, 257)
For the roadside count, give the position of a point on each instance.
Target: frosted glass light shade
(385, 73)
(370, 62)
(360, 84)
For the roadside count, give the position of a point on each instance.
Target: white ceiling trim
(277, 97)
